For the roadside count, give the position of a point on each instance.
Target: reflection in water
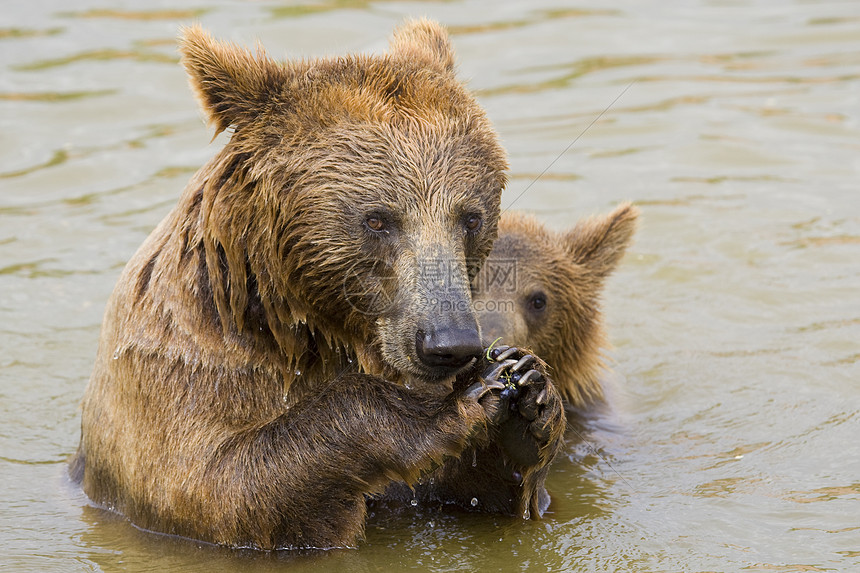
(534, 17)
(731, 441)
(141, 15)
(576, 70)
(53, 96)
(97, 55)
(144, 550)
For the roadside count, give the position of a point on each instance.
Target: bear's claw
(528, 376)
(496, 372)
(530, 402)
(527, 359)
(477, 390)
(501, 353)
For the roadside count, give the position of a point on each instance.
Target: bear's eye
(375, 223)
(472, 223)
(537, 301)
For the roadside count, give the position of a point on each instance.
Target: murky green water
(734, 441)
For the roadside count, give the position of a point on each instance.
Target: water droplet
(474, 502)
(298, 372)
(414, 502)
(526, 514)
(116, 355)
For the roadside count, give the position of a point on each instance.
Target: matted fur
(237, 396)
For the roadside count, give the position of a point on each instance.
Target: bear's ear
(231, 83)
(426, 41)
(598, 243)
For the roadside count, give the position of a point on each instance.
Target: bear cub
(541, 289)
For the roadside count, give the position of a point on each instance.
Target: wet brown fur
(570, 269)
(237, 397)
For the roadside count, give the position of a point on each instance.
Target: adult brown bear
(251, 388)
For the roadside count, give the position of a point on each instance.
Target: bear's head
(355, 200)
(541, 289)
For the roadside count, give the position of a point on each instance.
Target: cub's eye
(472, 223)
(375, 223)
(537, 301)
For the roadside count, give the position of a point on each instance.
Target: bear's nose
(449, 348)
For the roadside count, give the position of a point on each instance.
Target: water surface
(732, 444)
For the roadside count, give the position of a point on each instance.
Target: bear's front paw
(531, 412)
(486, 393)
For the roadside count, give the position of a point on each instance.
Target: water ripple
(140, 15)
(104, 54)
(51, 97)
(20, 33)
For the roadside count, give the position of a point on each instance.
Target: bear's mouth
(433, 355)
(435, 383)
(422, 377)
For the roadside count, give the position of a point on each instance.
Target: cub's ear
(426, 41)
(231, 84)
(598, 243)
